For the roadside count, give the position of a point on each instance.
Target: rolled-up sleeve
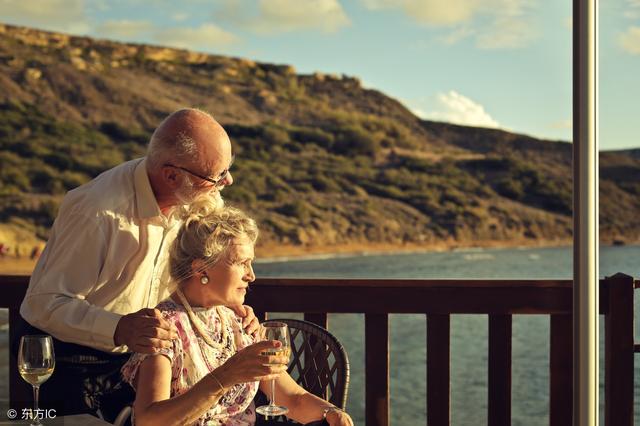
(66, 273)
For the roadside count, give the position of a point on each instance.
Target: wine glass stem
(36, 394)
(35, 420)
(273, 392)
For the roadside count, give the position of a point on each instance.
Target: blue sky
(493, 63)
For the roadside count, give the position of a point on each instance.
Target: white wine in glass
(36, 362)
(275, 330)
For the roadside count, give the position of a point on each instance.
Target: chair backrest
(319, 362)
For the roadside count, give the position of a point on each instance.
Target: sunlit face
(216, 158)
(229, 279)
(214, 182)
(209, 173)
(194, 186)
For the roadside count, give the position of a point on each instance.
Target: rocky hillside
(321, 161)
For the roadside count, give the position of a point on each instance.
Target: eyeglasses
(217, 183)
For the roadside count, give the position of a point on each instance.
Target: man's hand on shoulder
(144, 331)
(250, 322)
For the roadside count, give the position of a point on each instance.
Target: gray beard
(209, 201)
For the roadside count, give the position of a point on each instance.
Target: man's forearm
(72, 320)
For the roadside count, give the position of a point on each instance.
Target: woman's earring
(204, 280)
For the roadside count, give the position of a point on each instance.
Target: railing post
(438, 370)
(261, 315)
(561, 370)
(499, 370)
(376, 330)
(618, 347)
(320, 319)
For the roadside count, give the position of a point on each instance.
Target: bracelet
(328, 410)
(222, 388)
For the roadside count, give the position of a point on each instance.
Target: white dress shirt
(106, 256)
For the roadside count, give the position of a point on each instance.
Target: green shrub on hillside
(241, 195)
(298, 209)
(121, 134)
(353, 140)
(322, 183)
(510, 188)
(316, 136)
(414, 164)
(279, 226)
(71, 179)
(383, 191)
(28, 211)
(13, 179)
(275, 135)
(45, 180)
(520, 181)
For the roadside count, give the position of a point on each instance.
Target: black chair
(319, 364)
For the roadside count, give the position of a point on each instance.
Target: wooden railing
(438, 300)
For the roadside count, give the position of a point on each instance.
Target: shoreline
(278, 253)
(271, 253)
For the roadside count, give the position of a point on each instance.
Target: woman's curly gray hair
(206, 234)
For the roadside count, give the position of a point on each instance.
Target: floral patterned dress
(192, 358)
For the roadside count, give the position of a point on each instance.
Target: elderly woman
(210, 374)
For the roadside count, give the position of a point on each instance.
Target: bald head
(191, 138)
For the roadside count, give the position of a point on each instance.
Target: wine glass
(275, 330)
(36, 362)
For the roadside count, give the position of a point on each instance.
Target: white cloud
(57, 15)
(201, 38)
(630, 40)
(204, 38)
(431, 12)
(124, 29)
(495, 24)
(456, 108)
(281, 16)
(292, 15)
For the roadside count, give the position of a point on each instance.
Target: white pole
(585, 213)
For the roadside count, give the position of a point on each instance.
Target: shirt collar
(146, 203)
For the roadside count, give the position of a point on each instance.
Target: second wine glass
(275, 330)
(36, 361)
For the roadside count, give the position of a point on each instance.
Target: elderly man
(104, 263)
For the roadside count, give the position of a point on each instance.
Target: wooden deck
(438, 300)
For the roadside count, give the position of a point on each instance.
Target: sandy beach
(10, 265)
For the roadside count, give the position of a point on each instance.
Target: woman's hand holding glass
(250, 364)
(338, 418)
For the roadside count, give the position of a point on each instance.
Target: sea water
(469, 333)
